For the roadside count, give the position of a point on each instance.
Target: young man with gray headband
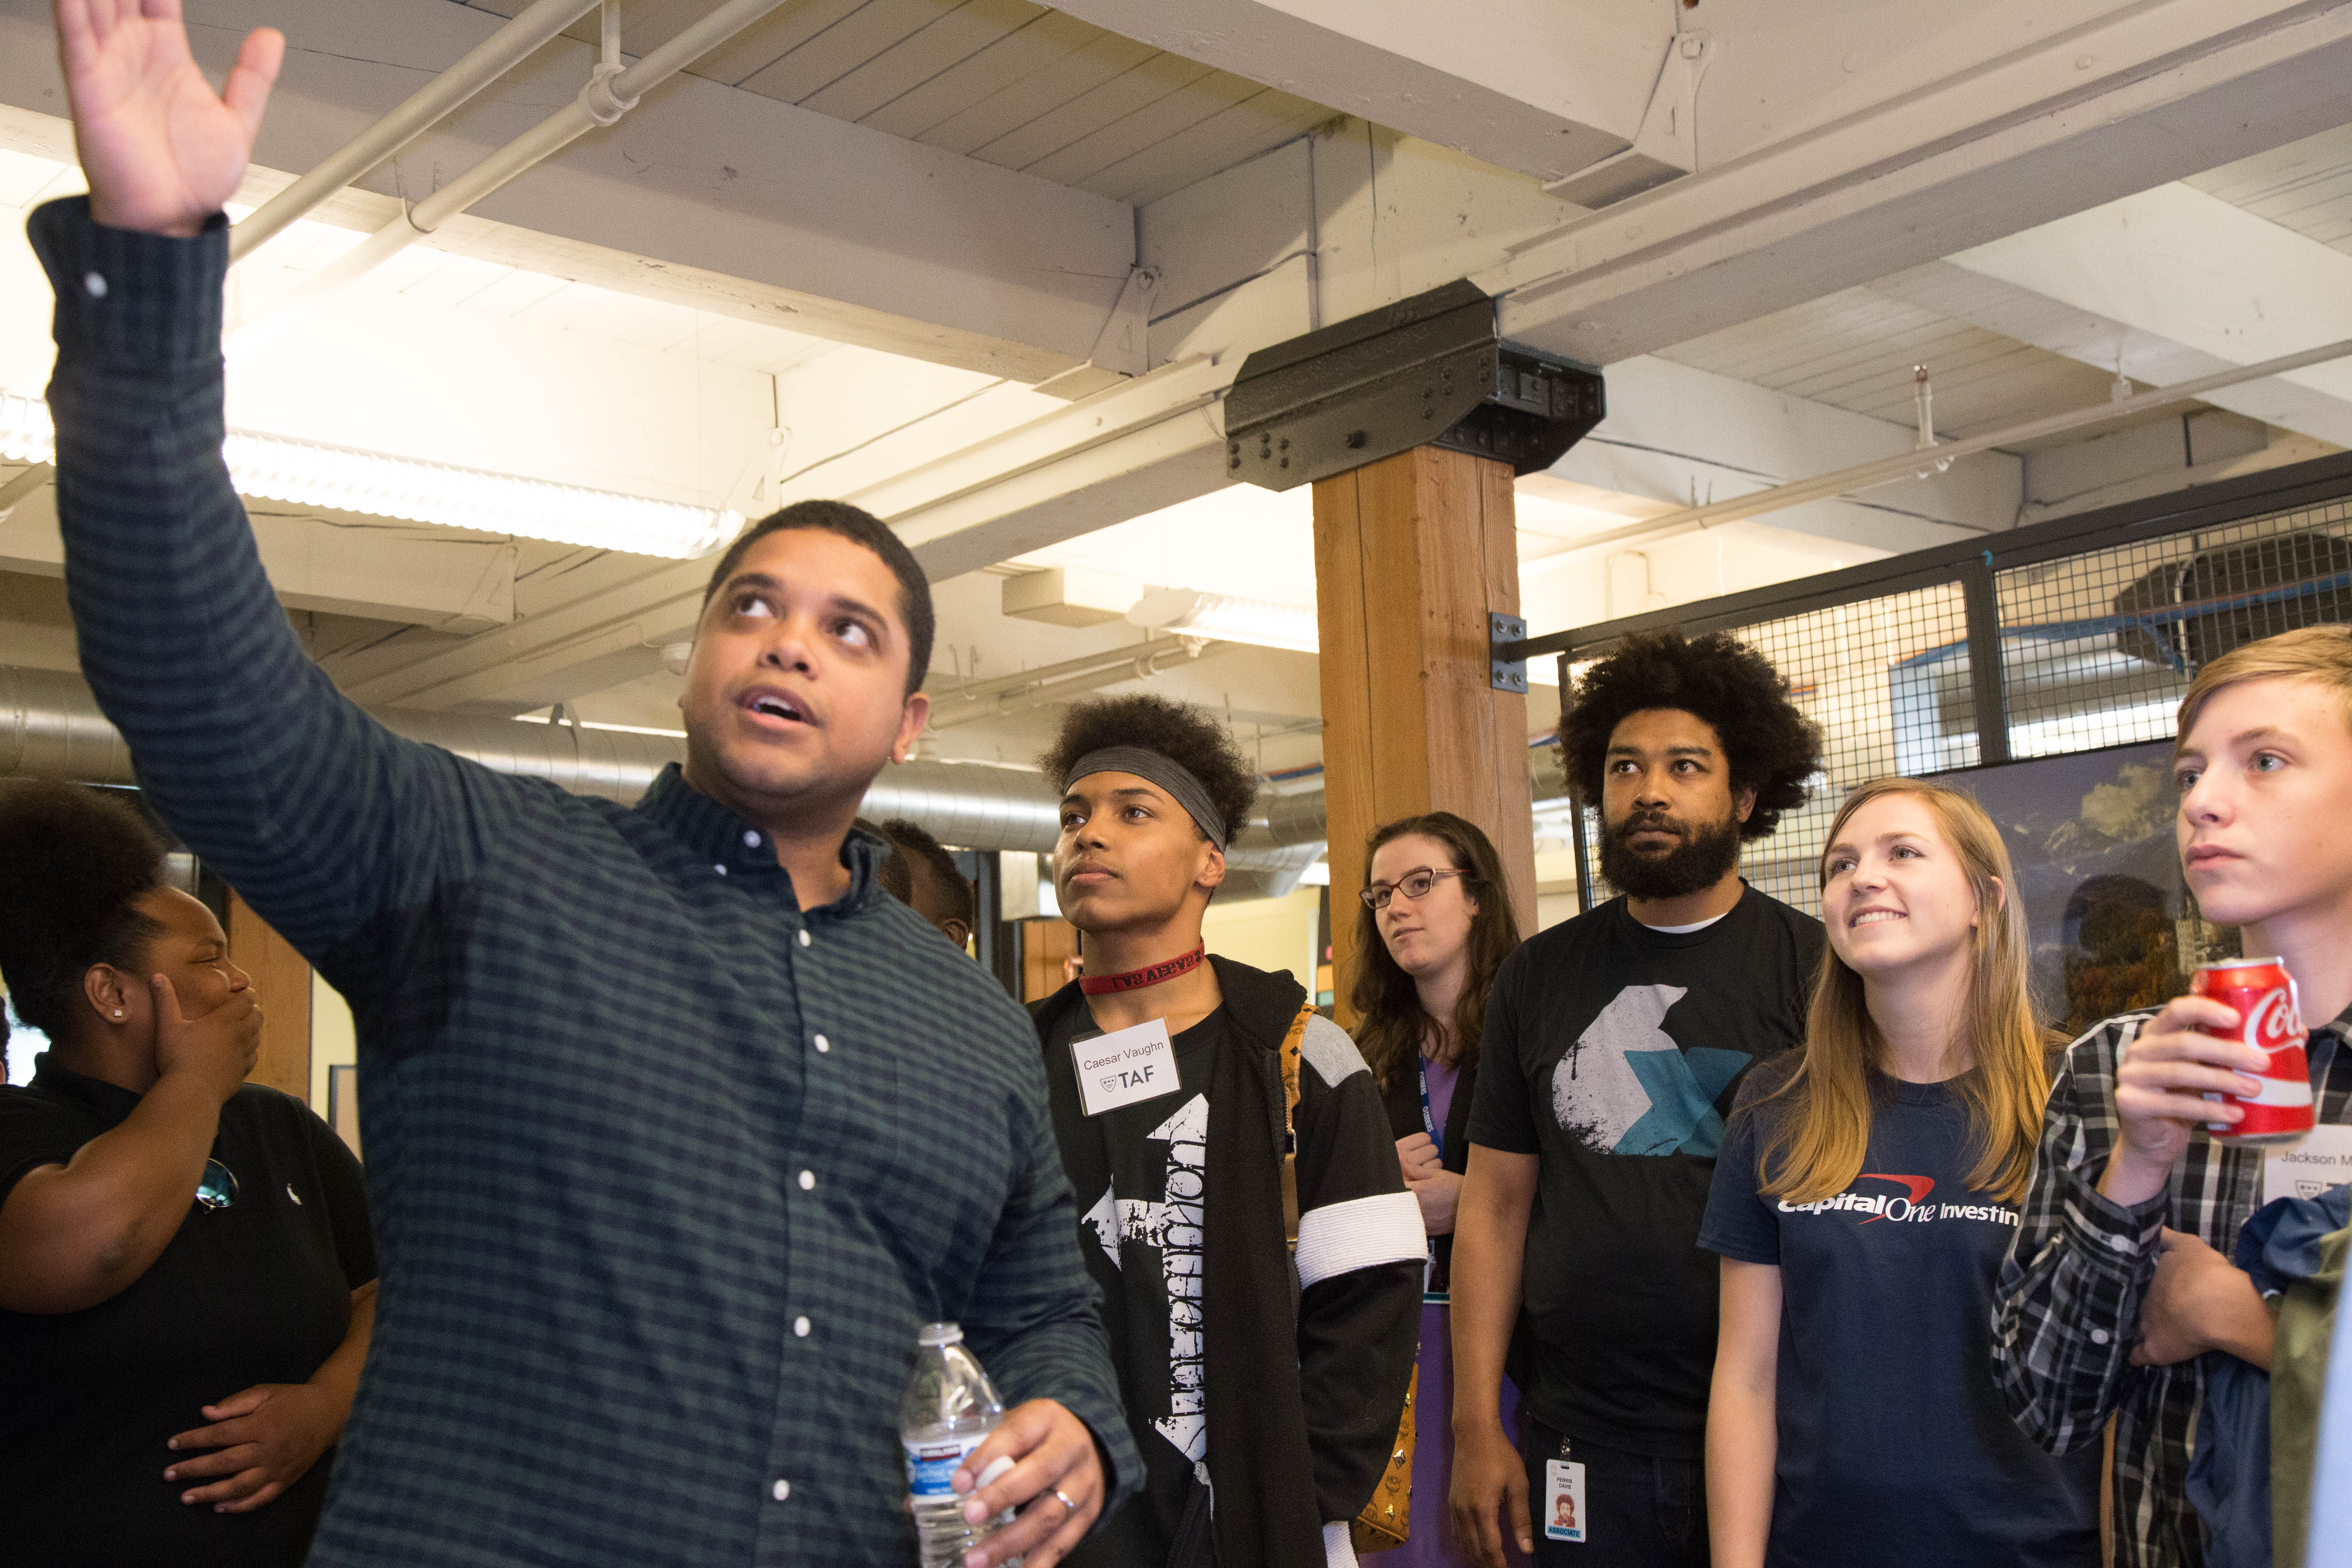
(1165, 1069)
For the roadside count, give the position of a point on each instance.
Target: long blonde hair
(1814, 1142)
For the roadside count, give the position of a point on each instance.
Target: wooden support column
(1410, 554)
(282, 979)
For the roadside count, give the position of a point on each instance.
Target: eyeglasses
(1415, 884)
(219, 1189)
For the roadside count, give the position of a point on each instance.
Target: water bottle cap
(939, 1335)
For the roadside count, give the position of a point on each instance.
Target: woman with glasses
(186, 1270)
(1435, 926)
(1866, 1194)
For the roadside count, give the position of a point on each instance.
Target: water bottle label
(931, 1465)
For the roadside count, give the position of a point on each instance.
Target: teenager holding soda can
(2119, 1281)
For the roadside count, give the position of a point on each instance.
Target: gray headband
(1159, 768)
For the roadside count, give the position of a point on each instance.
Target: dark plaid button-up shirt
(2078, 1273)
(666, 1172)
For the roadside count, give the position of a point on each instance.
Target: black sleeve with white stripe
(1361, 1254)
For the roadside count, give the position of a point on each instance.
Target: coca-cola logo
(2272, 1022)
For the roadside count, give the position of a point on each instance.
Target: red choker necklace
(1136, 979)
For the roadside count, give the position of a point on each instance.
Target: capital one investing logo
(1878, 1195)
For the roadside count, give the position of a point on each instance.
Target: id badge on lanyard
(1438, 1139)
(1563, 1504)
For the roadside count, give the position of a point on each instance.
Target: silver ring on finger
(1062, 1497)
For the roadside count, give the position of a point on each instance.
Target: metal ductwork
(50, 727)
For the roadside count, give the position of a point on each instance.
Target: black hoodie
(1304, 1387)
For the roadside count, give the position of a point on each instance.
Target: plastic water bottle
(950, 1409)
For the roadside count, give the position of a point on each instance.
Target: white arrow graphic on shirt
(1596, 1096)
(1174, 1227)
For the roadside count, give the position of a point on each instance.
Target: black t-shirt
(1612, 1052)
(1888, 1416)
(259, 1291)
(1141, 1173)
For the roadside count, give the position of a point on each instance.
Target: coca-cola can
(2270, 1019)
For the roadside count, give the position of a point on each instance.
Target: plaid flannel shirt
(666, 1170)
(2068, 1311)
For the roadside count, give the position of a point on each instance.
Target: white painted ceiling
(450, 356)
(1004, 82)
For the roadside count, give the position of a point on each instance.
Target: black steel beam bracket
(1428, 371)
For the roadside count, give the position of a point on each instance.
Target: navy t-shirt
(1895, 1446)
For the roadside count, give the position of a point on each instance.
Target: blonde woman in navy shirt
(1866, 1193)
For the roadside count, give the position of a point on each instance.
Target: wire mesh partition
(2066, 637)
(2097, 648)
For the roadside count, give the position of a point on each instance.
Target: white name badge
(1121, 1069)
(2307, 1169)
(1563, 1512)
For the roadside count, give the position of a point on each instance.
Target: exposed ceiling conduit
(611, 93)
(427, 106)
(1929, 459)
(998, 695)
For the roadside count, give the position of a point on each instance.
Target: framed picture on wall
(343, 1104)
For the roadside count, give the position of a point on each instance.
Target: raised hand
(218, 1049)
(162, 152)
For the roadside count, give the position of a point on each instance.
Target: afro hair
(1177, 731)
(73, 863)
(1773, 747)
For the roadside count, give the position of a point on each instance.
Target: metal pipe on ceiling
(1910, 464)
(427, 106)
(609, 94)
(1007, 695)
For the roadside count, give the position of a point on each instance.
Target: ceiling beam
(1544, 87)
(706, 194)
(386, 571)
(2143, 94)
(2164, 286)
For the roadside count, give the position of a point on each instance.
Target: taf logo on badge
(1121, 1069)
(1563, 1515)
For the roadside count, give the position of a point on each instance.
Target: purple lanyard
(1429, 1122)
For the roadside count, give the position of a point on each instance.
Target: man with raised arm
(678, 1126)
(2120, 1289)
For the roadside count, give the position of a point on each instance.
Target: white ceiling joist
(421, 575)
(2143, 94)
(1544, 87)
(2166, 286)
(714, 196)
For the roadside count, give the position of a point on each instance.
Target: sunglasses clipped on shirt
(1415, 884)
(219, 1189)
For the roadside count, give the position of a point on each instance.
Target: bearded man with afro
(1616, 1045)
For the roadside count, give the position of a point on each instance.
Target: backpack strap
(1291, 1045)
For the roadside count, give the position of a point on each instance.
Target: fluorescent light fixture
(306, 473)
(1227, 618)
